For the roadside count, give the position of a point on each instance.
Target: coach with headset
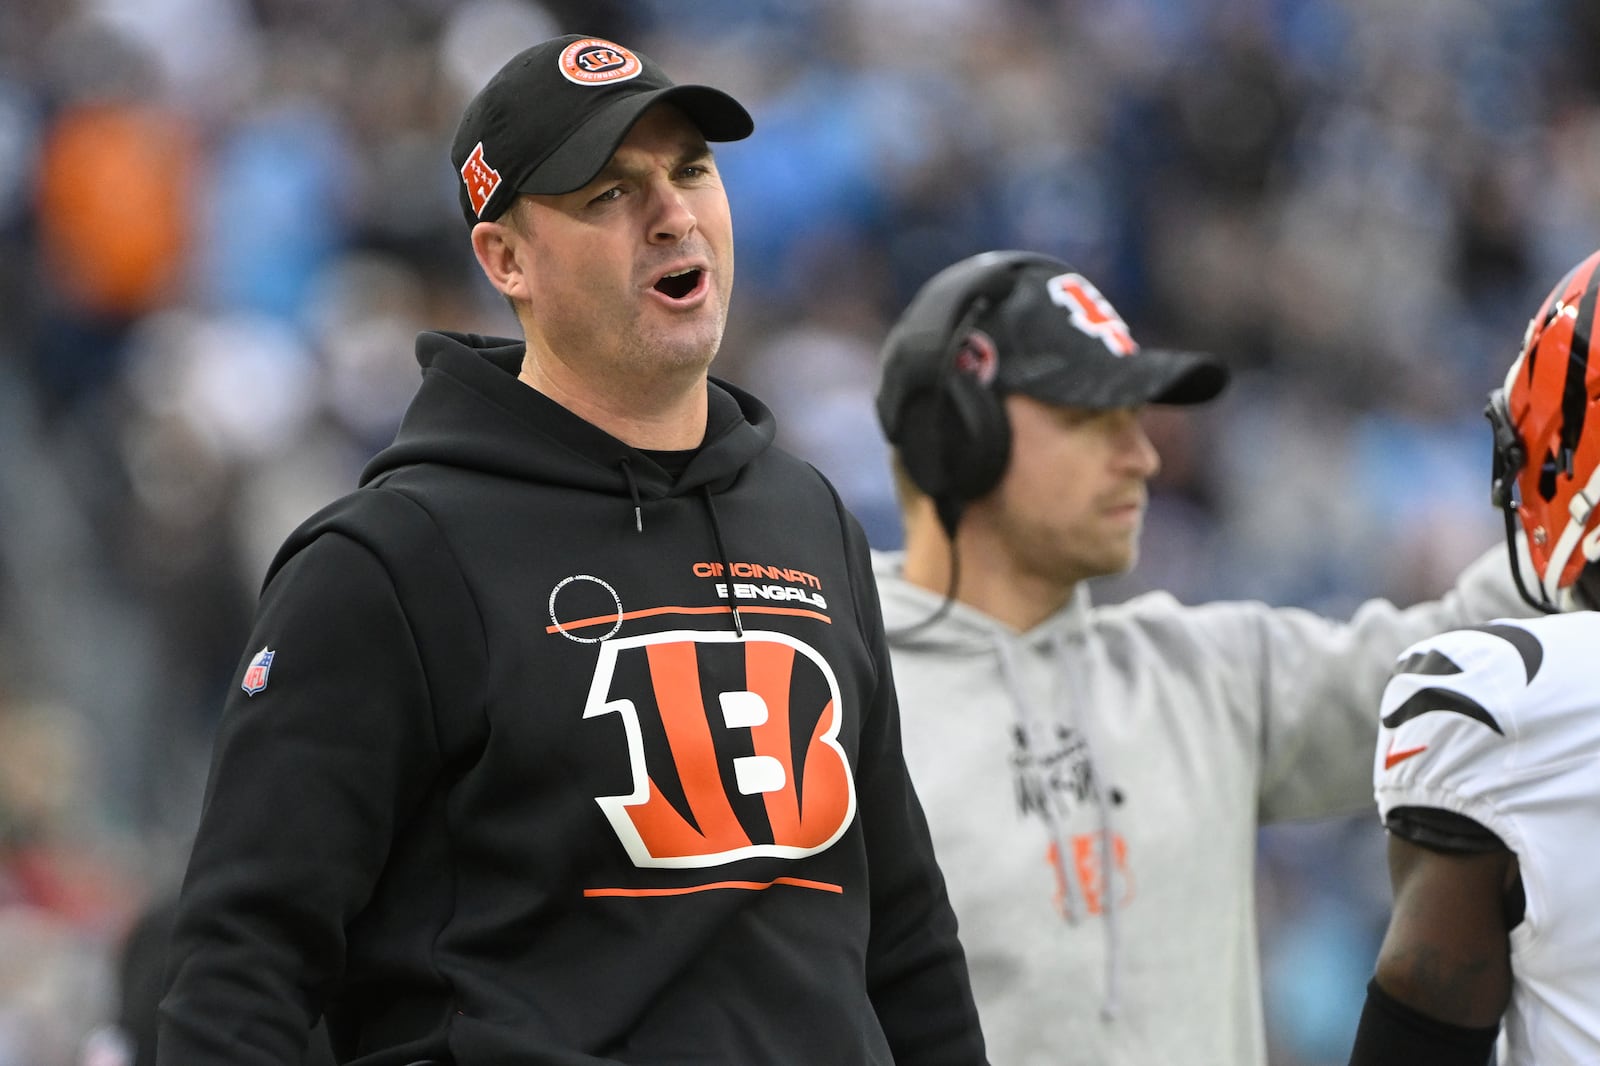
(1095, 776)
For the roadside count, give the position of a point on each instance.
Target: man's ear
(497, 245)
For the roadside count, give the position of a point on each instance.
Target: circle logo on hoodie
(588, 601)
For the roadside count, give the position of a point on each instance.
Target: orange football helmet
(1546, 421)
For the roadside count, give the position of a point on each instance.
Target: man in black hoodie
(570, 736)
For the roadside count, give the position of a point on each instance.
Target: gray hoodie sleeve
(1312, 684)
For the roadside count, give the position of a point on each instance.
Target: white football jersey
(1501, 723)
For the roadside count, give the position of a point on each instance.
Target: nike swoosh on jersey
(1391, 757)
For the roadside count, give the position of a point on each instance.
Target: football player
(1487, 771)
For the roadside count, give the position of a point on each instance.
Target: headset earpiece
(936, 402)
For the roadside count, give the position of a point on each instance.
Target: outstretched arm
(1444, 971)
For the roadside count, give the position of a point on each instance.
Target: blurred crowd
(223, 221)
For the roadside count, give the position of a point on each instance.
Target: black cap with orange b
(1005, 322)
(551, 118)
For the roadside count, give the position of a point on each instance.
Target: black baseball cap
(1061, 341)
(552, 117)
(1035, 326)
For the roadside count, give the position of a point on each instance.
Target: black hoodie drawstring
(716, 535)
(633, 490)
(722, 554)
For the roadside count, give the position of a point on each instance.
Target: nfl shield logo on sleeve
(255, 676)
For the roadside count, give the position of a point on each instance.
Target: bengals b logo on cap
(1091, 312)
(596, 61)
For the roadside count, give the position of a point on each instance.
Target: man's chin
(1086, 570)
(1122, 563)
(689, 347)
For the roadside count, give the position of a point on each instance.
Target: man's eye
(607, 196)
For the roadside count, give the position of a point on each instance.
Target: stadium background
(222, 221)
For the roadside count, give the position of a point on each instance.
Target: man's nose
(673, 220)
(1136, 448)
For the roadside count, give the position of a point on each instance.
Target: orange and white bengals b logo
(1091, 312)
(720, 776)
(596, 61)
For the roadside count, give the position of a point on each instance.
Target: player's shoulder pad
(1468, 672)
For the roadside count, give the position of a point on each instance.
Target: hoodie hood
(472, 412)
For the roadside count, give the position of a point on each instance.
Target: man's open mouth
(680, 284)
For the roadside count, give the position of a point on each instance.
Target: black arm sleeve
(310, 777)
(1441, 830)
(1392, 1034)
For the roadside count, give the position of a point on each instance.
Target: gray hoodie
(1152, 738)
